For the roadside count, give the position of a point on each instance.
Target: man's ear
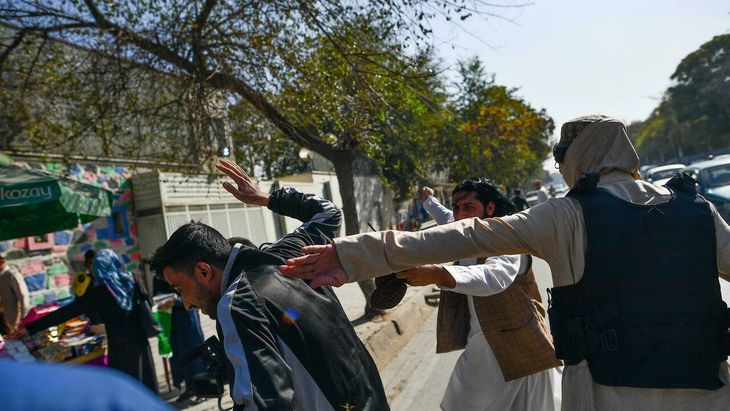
(203, 272)
(491, 208)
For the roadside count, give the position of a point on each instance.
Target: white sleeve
(437, 211)
(722, 240)
(481, 280)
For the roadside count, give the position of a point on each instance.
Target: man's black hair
(89, 256)
(486, 191)
(188, 245)
(243, 240)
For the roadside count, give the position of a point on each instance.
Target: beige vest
(512, 321)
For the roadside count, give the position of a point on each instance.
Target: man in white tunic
(488, 307)
(542, 193)
(555, 231)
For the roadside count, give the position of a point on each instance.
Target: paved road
(417, 377)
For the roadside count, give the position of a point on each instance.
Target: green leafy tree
(499, 135)
(391, 118)
(247, 50)
(60, 99)
(261, 147)
(694, 115)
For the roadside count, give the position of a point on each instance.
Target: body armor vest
(648, 311)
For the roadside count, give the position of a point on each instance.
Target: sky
(586, 57)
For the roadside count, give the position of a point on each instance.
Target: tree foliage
(694, 115)
(499, 136)
(261, 148)
(61, 99)
(392, 119)
(246, 49)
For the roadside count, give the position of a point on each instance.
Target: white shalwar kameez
(477, 384)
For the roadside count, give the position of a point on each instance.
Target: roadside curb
(398, 327)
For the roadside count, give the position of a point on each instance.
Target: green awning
(34, 202)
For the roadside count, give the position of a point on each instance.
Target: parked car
(561, 190)
(713, 182)
(642, 169)
(531, 197)
(661, 174)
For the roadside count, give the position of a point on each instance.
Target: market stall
(74, 342)
(33, 204)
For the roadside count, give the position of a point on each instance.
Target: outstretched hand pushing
(321, 266)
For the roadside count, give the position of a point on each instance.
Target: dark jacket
(277, 319)
(648, 311)
(129, 350)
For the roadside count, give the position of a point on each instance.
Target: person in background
(186, 334)
(112, 298)
(519, 202)
(492, 308)
(88, 263)
(89, 260)
(542, 193)
(13, 294)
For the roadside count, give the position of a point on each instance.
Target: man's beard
(211, 305)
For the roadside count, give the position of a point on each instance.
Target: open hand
(247, 190)
(425, 192)
(321, 266)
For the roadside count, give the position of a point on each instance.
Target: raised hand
(321, 266)
(247, 190)
(425, 192)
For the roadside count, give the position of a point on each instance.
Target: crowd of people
(633, 324)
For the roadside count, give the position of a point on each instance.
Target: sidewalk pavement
(383, 336)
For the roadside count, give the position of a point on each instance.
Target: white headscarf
(602, 146)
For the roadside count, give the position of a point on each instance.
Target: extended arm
(492, 277)
(545, 231)
(481, 280)
(722, 235)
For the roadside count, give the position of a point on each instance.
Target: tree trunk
(346, 180)
(344, 170)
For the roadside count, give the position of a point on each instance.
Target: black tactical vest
(648, 311)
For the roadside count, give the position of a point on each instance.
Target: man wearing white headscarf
(627, 344)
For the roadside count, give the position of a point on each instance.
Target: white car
(661, 174)
(531, 197)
